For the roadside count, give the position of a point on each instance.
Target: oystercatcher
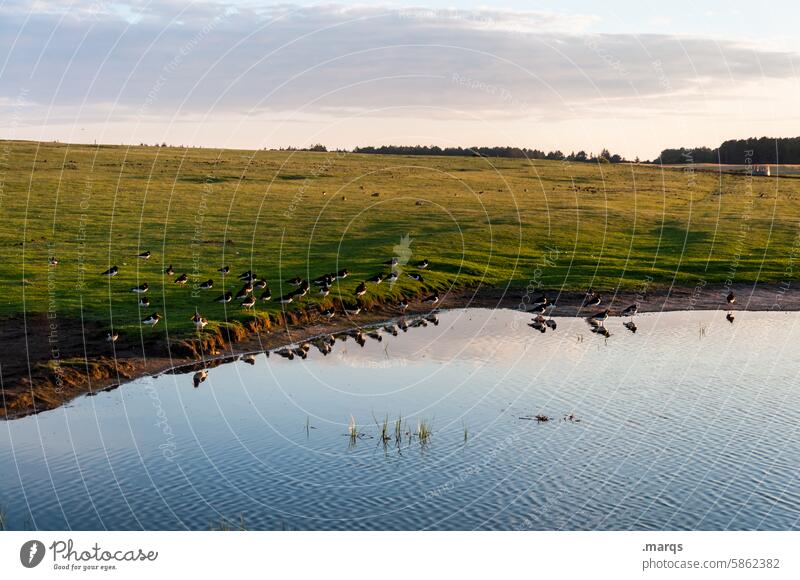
(249, 302)
(260, 284)
(361, 289)
(207, 285)
(141, 289)
(169, 271)
(152, 320)
(328, 313)
(403, 304)
(729, 317)
(341, 274)
(144, 302)
(393, 262)
(182, 279)
(246, 290)
(224, 270)
(417, 277)
(144, 255)
(266, 295)
(296, 281)
(731, 298)
(112, 337)
(53, 261)
(631, 325)
(225, 298)
(112, 271)
(631, 310)
(422, 265)
(199, 377)
(432, 299)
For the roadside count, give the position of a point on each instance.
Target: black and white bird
(729, 317)
(630, 325)
(391, 329)
(247, 276)
(433, 319)
(182, 279)
(540, 300)
(246, 290)
(422, 264)
(377, 279)
(391, 276)
(225, 298)
(341, 274)
(324, 290)
(415, 276)
(199, 377)
(352, 311)
(169, 271)
(112, 271)
(112, 337)
(285, 353)
(144, 302)
(600, 317)
(199, 321)
(53, 261)
(224, 270)
(538, 309)
(324, 280)
(432, 299)
(328, 313)
(249, 359)
(266, 295)
(249, 302)
(141, 289)
(731, 298)
(551, 324)
(631, 310)
(537, 325)
(403, 325)
(287, 298)
(403, 304)
(601, 330)
(152, 320)
(361, 289)
(260, 284)
(144, 255)
(593, 300)
(207, 285)
(296, 281)
(393, 262)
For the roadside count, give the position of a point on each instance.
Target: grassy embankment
(283, 214)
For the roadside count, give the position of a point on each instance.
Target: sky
(569, 75)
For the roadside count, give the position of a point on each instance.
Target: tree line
(510, 152)
(756, 150)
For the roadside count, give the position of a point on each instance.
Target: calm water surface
(691, 423)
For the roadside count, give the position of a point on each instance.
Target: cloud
(139, 60)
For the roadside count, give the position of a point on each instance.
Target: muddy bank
(37, 376)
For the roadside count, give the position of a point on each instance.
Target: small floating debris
(540, 418)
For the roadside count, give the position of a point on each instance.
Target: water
(691, 423)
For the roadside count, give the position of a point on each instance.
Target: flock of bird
(542, 306)
(246, 296)
(326, 342)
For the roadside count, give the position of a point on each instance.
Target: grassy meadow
(502, 222)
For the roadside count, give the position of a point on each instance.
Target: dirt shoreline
(33, 381)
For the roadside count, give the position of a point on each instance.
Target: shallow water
(691, 423)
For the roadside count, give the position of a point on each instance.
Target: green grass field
(500, 221)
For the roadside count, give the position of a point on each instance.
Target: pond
(689, 423)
